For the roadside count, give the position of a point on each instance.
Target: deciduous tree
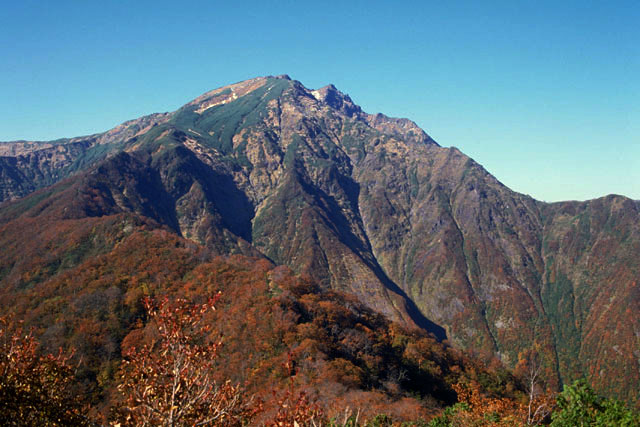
(539, 403)
(171, 382)
(35, 389)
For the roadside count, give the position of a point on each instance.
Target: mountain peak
(228, 93)
(330, 95)
(236, 90)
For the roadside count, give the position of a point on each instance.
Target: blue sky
(545, 95)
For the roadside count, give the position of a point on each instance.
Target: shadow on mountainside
(362, 247)
(412, 309)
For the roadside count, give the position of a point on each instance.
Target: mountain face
(366, 204)
(28, 165)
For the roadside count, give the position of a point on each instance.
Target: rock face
(28, 165)
(371, 205)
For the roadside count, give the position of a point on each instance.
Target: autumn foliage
(35, 389)
(171, 376)
(129, 297)
(294, 407)
(171, 381)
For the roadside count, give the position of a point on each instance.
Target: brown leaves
(34, 389)
(171, 382)
(482, 409)
(295, 408)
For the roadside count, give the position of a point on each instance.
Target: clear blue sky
(545, 94)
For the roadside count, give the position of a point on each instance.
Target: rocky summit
(362, 203)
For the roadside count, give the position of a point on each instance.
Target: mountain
(361, 203)
(78, 280)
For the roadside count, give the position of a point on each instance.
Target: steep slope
(464, 247)
(79, 280)
(26, 166)
(372, 205)
(590, 290)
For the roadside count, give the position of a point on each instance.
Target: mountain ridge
(372, 205)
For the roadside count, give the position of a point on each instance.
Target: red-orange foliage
(484, 409)
(171, 382)
(294, 407)
(34, 389)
